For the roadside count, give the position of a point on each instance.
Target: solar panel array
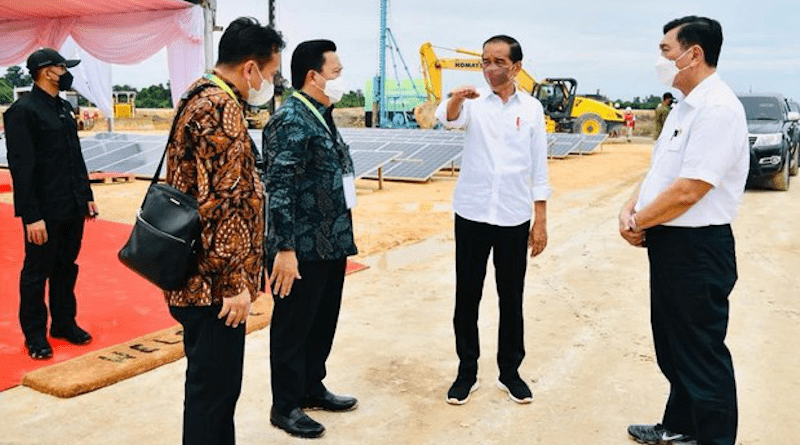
(403, 154)
(422, 153)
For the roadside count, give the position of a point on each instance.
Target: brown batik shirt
(211, 157)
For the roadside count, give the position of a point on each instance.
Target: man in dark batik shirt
(309, 178)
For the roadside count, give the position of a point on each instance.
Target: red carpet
(5, 181)
(114, 304)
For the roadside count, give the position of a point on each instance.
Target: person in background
(211, 156)
(662, 111)
(53, 198)
(310, 184)
(682, 213)
(503, 180)
(630, 122)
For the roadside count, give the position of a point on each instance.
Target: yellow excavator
(564, 110)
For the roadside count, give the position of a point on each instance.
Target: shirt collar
(233, 88)
(697, 96)
(36, 90)
(514, 96)
(319, 105)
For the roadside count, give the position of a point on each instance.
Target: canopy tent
(103, 32)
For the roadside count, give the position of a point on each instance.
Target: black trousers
(53, 261)
(302, 330)
(692, 272)
(215, 360)
(474, 241)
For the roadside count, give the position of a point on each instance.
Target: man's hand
(465, 92)
(457, 98)
(626, 230)
(93, 210)
(36, 232)
(284, 272)
(537, 238)
(236, 309)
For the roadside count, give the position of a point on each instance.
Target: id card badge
(349, 184)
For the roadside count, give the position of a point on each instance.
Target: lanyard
(313, 110)
(223, 85)
(322, 120)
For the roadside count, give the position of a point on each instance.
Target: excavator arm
(432, 67)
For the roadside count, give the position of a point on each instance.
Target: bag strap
(184, 101)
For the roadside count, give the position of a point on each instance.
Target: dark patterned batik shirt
(211, 157)
(305, 164)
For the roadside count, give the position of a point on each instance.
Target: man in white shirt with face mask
(503, 180)
(682, 213)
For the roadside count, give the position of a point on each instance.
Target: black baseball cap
(48, 57)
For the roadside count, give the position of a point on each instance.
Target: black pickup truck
(773, 131)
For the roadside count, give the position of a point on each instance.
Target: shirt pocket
(50, 137)
(518, 135)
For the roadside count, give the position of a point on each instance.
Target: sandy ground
(590, 360)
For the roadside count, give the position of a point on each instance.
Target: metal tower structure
(399, 118)
(380, 84)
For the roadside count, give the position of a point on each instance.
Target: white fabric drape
(186, 55)
(126, 39)
(92, 77)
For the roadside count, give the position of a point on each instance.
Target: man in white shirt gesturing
(503, 179)
(682, 213)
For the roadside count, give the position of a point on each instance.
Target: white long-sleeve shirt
(504, 163)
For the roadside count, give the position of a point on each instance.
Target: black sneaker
(461, 389)
(657, 434)
(516, 389)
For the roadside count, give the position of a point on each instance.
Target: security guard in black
(53, 198)
(44, 153)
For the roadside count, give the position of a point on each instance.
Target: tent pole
(209, 14)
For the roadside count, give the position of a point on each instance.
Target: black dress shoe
(297, 424)
(330, 402)
(72, 334)
(39, 348)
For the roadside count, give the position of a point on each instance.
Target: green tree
(154, 96)
(352, 99)
(6, 92)
(649, 103)
(17, 78)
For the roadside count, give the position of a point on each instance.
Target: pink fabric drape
(32, 9)
(125, 39)
(131, 38)
(19, 38)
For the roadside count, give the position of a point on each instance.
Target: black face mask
(65, 81)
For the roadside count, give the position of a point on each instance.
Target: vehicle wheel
(589, 123)
(795, 160)
(781, 180)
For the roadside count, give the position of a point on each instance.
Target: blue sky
(609, 46)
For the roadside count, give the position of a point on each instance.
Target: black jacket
(44, 155)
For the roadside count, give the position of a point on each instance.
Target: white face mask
(334, 89)
(261, 96)
(667, 70)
